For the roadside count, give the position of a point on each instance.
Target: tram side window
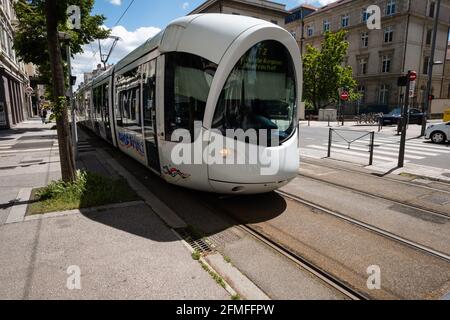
(129, 101)
(188, 80)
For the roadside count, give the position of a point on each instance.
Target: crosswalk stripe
(419, 147)
(408, 151)
(26, 150)
(376, 151)
(366, 156)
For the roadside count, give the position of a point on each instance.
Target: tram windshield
(260, 93)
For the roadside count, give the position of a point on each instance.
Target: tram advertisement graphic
(130, 141)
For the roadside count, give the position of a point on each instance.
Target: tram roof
(206, 35)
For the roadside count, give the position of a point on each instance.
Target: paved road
(314, 143)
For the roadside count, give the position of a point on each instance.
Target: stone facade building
(15, 105)
(261, 9)
(379, 57)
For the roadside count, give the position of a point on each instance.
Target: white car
(438, 133)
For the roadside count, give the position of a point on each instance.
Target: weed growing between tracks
(89, 190)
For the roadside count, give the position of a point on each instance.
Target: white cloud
(185, 5)
(116, 2)
(129, 40)
(316, 2)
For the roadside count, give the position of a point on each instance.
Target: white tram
(204, 75)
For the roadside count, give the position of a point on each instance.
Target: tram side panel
(183, 86)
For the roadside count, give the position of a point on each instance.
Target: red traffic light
(412, 76)
(430, 97)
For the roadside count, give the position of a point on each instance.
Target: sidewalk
(123, 252)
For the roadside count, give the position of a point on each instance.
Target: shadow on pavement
(206, 212)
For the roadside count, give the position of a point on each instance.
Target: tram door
(149, 105)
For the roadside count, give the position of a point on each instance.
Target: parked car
(393, 117)
(438, 133)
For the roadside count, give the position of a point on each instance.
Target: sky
(143, 20)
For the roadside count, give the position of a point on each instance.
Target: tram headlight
(225, 153)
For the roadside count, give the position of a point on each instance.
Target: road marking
(355, 154)
(378, 152)
(26, 150)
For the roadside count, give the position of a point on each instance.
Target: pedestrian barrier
(349, 137)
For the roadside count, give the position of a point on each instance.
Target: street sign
(412, 76)
(344, 95)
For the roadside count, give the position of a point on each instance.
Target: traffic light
(430, 97)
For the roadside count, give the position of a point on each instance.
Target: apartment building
(445, 94)
(261, 9)
(379, 57)
(15, 105)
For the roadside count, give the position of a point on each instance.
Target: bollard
(309, 120)
(329, 121)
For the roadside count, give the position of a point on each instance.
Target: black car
(393, 117)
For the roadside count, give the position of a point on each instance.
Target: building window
(388, 34)
(310, 31)
(364, 15)
(363, 66)
(386, 64)
(362, 93)
(391, 7)
(426, 63)
(274, 21)
(429, 35)
(384, 94)
(432, 9)
(326, 25)
(365, 39)
(345, 21)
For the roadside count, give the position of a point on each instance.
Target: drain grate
(201, 245)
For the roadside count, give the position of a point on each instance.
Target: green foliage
(30, 41)
(324, 72)
(88, 190)
(196, 255)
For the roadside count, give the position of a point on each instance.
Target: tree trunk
(68, 171)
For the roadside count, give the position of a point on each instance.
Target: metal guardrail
(351, 141)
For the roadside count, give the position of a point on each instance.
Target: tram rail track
(368, 227)
(382, 177)
(337, 284)
(378, 196)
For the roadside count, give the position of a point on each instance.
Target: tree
(324, 72)
(37, 41)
